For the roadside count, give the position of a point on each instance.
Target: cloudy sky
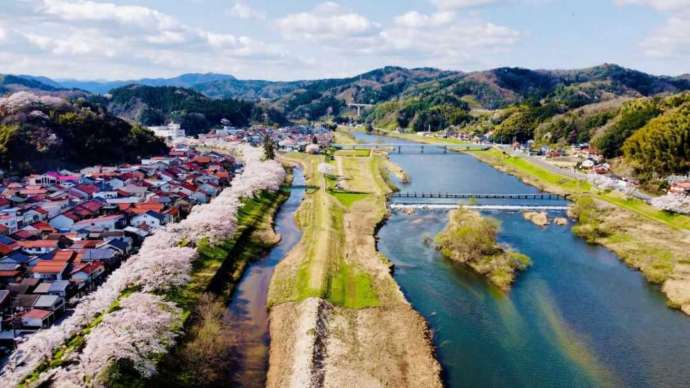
(287, 40)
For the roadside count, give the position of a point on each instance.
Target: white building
(171, 131)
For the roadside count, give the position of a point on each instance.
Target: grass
(323, 270)
(642, 208)
(360, 153)
(351, 287)
(348, 198)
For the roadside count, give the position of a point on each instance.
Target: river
(248, 310)
(577, 318)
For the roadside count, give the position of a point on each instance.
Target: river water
(247, 311)
(577, 318)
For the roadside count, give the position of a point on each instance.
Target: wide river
(577, 318)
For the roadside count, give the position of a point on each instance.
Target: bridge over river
(414, 147)
(535, 201)
(535, 197)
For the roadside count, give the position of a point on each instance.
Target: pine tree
(269, 148)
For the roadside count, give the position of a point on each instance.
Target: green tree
(269, 148)
(662, 146)
(633, 116)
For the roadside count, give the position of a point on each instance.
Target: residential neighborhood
(287, 139)
(63, 232)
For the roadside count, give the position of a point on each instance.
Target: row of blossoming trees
(144, 324)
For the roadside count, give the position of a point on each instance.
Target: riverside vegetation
(470, 239)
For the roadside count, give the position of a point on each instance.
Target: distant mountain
(40, 132)
(185, 80)
(13, 83)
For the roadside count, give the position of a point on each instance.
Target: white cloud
(661, 5)
(450, 44)
(3, 34)
(672, 39)
(457, 4)
(328, 21)
(243, 10)
(414, 19)
(85, 10)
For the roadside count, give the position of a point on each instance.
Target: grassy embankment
(653, 241)
(324, 271)
(470, 239)
(205, 268)
(336, 311)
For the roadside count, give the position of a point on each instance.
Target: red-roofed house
(7, 245)
(38, 247)
(37, 318)
(50, 270)
(84, 191)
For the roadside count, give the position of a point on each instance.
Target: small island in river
(470, 239)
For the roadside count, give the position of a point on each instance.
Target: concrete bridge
(414, 147)
(359, 107)
(534, 197)
(448, 206)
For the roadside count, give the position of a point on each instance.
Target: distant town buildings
(170, 132)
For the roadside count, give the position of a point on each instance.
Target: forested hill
(40, 132)
(196, 112)
(491, 89)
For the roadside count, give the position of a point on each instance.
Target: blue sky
(287, 40)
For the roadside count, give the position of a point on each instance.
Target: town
(62, 232)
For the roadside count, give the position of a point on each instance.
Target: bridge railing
(537, 196)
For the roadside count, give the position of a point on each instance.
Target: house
(38, 247)
(87, 274)
(50, 270)
(84, 191)
(50, 303)
(7, 245)
(34, 215)
(60, 287)
(151, 218)
(100, 223)
(680, 187)
(63, 222)
(9, 221)
(98, 254)
(37, 319)
(135, 190)
(10, 270)
(24, 302)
